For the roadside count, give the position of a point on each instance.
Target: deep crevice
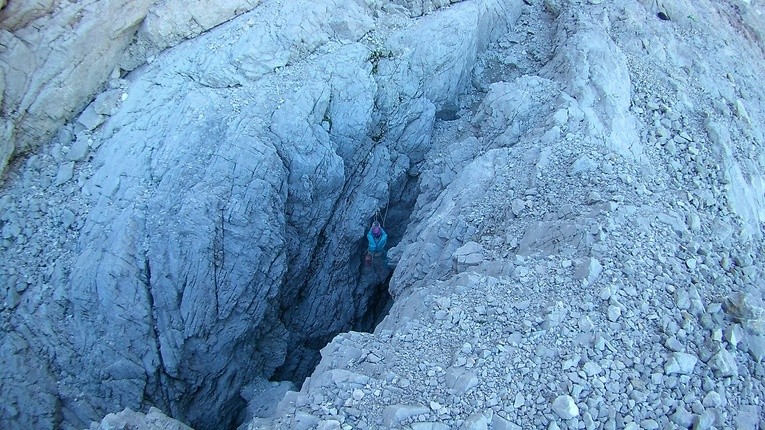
(372, 303)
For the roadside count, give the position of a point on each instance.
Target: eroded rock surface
(212, 223)
(578, 255)
(57, 55)
(573, 192)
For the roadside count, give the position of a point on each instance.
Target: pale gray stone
(584, 164)
(328, 425)
(680, 363)
(394, 414)
(65, 173)
(90, 119)
(304, 421)
(67, 218)
(586, 325)
(477, 421)
(734, 334)
(724, 364)
(470, 254)
(131, 419)
(748, 417)
(499, 423)
(673, 344)
(756, 347)
(682, 417)
(712, 399)
(107, 102)
(460, 380)
(591, 368)
(589, 269)
(614, 312)
(682, 299)
(565, 407)
(517, 206)
(78, 151)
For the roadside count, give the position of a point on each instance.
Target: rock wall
(580, 254)
(57, 55)
(575, 225)
(216, 216)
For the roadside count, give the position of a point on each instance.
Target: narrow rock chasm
(368, 304)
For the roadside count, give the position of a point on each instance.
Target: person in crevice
(377, 238)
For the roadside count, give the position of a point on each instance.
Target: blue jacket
(377, 245)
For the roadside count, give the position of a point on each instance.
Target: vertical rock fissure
(370, 304)
(158, 396)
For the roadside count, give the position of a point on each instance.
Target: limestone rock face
(57, 55)
(227, 189)
(56, 58)
(169, 22)
(129, 419)
(572, 193)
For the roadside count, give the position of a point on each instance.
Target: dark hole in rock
(447, 115)
(449, 112)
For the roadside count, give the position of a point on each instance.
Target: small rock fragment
(519, 401)
(583, 164)
(517, 206)
(477, 421)
(591, 368)
(460, 380)
(358, 394)
(469, 254)
(65, 173)
(565, 407)
(682, 417)
(680, 362)
(589, 270)
(67, 218)
(78, 151)
(394, 414)
(673, 344)
(723, 364)
(585, 324)
(712, 400)
(614, 312)
(90, 119)
(748, 417)
(756, 347)
(734, 334)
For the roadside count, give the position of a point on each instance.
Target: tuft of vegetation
(378, 54)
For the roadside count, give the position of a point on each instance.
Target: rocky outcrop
(228, 193)
(169, 22)
(129, 419)
(575, 227)
(57, 55)
(569, 261)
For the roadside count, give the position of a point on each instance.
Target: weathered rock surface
(550, 276)
(222, 214)
(129, 419)
(57, 55)
(572, 190)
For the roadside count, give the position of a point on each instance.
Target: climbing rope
(384, 217)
